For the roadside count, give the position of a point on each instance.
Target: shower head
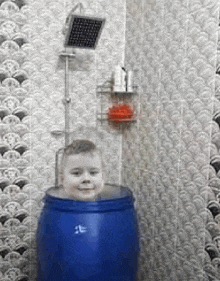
(83, 31)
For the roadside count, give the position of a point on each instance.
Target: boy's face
(82, 176)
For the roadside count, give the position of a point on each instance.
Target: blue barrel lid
(114, 201)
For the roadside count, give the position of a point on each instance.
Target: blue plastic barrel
(95, 241)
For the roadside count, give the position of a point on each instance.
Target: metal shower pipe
(67, 99)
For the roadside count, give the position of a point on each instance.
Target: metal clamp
(66, 100)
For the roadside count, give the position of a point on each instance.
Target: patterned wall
(90, 69)
(17, 256)
(172, 47)
(31, 93)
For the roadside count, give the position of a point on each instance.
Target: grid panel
(83, 32)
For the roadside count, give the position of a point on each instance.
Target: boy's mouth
(86, 188)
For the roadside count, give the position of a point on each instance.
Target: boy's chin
(85, 195)
(89, 195)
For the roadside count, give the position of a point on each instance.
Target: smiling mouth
(86, 189)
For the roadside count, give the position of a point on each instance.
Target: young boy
(75, 246)
(81, 173)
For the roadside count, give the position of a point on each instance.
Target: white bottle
(118, 79)
(130, 81)
(123, 80)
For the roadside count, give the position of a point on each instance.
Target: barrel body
(87, 240)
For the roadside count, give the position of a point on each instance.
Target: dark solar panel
(83, 32)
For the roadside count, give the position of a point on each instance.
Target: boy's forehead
(84, 158)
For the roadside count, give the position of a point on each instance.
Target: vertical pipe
(57, 166)
(56, 169)
(67, 100)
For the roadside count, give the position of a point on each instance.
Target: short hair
(79, 146)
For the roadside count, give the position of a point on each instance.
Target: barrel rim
(69, 204)
(129, 194)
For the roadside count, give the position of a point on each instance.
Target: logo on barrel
(80, 229)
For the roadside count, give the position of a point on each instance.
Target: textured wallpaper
(172, 48)
(32, 76)
(89, 70)
(170, 156)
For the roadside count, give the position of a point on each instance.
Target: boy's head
(81, 170)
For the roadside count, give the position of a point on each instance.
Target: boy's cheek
(102, 185)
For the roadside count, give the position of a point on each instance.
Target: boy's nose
(86, 178)
(86, 181)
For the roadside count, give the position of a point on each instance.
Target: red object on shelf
(121, 113)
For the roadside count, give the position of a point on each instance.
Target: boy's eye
(94, 172)
(76, 173)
